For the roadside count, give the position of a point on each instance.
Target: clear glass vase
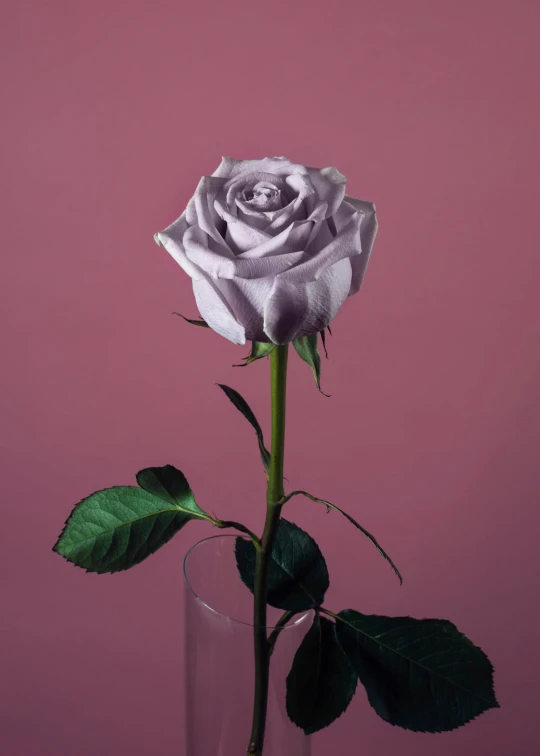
(219, 669)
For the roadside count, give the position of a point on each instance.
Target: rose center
(263, 196)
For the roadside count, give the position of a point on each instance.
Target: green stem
(237, 526)
(282, 621)
(278, 377)
(331, 614)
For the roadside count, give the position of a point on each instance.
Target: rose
(273, 248)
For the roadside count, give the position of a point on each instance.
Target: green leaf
(307, 349)
(201, 323)
(297, 577)
(116, 528)
(422, 675)
(259, 349)
(321, 682)
(243, 407)
(170, 484)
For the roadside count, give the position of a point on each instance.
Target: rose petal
(299, 208)
(207, 218)
(368, 232)
(247, 299)
(226, 214)
(237, 185)
(330, 292)
(301, 184)
(216, 260)
(265, 196)
(235, 202)
(229, 167)
(343, 215)
(252, 212)
(191, 212)
(319, 213)
(294, 211)
(172, 240)
(284, 312)
(295, 310)
(256, 218)
(345, 244)
(199, 249)
(320, 237)
(217, 312)
(292, 239)
(264, 266)
(320, 234)
(330, 186)
(240, 236)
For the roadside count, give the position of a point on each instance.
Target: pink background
(111, 112)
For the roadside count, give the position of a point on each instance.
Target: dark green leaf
(116, 528)
(298, 576)
(422, 675)
(201, 323)
(307, 349)
(259, 349)
(321, 682)
(170, 485)
(243, 407)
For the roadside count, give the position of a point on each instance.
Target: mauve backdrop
(112, 111)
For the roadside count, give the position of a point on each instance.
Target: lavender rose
(273, 248)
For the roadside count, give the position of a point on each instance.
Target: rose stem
(278, 382)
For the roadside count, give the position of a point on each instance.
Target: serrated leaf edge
(171, 508)
(412, 661)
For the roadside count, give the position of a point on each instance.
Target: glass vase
(219, 666)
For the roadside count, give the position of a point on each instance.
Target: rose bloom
(273, 248)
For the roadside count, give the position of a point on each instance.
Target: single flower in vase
(274, 249)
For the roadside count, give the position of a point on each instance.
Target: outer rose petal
(330, 186)
(343, 215)
(218, 262)
(345, 244)
(230, 168)
(172, 240)
(368, 232)
(216, 311)
(247, 299)
(295, 310)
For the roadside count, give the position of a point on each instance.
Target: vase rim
(291, 624)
